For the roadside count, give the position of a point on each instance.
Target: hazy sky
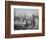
(27, 12)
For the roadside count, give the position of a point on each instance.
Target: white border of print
(26, 31)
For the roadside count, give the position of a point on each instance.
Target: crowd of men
(25, 22)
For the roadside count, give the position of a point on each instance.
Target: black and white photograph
(26, 19)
